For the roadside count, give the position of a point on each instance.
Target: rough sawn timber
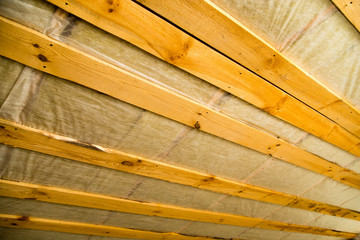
(351, 10)
(140, 27)
(248, 49)
(38, 51)
(16, 135)
(90, 200)
(25, 222)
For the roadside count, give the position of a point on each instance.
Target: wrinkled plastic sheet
(45, 102)
(313, 34)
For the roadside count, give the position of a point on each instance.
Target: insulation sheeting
(299, 29)
(10, 234)
(45, 102)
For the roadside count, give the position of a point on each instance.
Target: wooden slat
(90, 200)
(24, 222)
(38, 51)
(16, 135)
(136, 25)
(230, 37)
(351, 10)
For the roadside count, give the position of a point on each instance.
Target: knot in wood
(42, 58)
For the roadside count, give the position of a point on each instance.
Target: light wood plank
(251, 51)
(24, 222)
(49, 143)
(351, 10)
(143, 29)
(38, 51)
(90, 200)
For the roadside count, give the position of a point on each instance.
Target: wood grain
(25, 222)
(16, 135)
(38, 51)
(351, 10)
(229, 36)
(138, 26)
(90, 200)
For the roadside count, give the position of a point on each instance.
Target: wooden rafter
(90, 200)
(351, 10)
(49, 55)
(251, 51)
(49, 143)
(25, 222)
(154, 35)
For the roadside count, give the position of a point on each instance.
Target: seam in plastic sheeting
(267, 163)
(6, 159)
(218, 94)
(107, 217)
(7, 90)
(19, 101)
(338, 184)
(27, 87)
(134, 123)
(318, 19)
(211, 208)
(182, 134)
(310, 223)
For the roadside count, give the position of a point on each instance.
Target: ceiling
(205, 119)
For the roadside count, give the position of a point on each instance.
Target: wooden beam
(90, 200)
(16, 135)
(36, 50)
(251, 51)
(41, 52)
(351, 10)
(24, 222)
(154, 35)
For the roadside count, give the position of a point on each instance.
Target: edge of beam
(176, 47)
(16, 135)
(351, 10)
(25, 222)
(51, 56)
(90, 200)
(266, 61)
